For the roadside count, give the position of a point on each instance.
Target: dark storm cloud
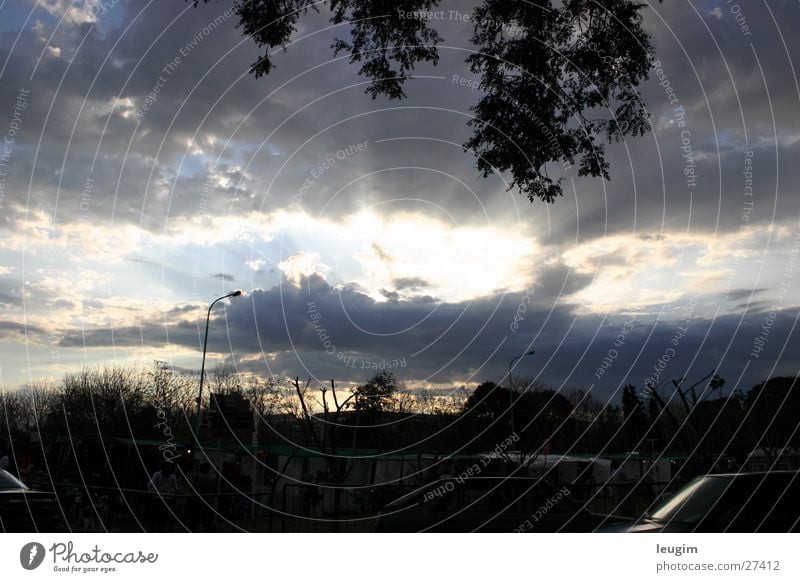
(210, 91)
(321, 331)
(15, 330)
(390, 295)
(205, 95)
(10, 292)
(716, 76)
(753, 306)
(744, 293)
(404, 283)
(315, 316)
(137, 60)
(9, 299)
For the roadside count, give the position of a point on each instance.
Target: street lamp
(510, 393)
(236, 293)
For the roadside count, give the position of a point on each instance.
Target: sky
(144, 172)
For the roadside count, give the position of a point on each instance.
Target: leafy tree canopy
(559, 79)
(377, 394)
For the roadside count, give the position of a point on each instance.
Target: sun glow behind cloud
(413, 254)
(405, 255)
(395, 257)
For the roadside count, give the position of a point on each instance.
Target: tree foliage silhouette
(541, 416)
(559, 79)
(377, 395)
(633, 412)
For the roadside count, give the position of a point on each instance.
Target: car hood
(645, 525)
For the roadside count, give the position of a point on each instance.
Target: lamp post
(510, 392)
(236, 293)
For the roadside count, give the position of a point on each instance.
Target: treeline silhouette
(82, 426)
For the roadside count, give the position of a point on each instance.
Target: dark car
(487, 504)
(732, 502)
(25, 510)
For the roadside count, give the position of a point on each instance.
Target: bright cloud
(73, 11)
(299, 265)
(458, 263)
(634, 272)
(255, 264)
(414, 252)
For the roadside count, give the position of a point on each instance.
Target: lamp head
(236, 293)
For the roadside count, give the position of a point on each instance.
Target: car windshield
(8, 481)
(693, 502)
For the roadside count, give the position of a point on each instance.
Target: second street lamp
(236, 293)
